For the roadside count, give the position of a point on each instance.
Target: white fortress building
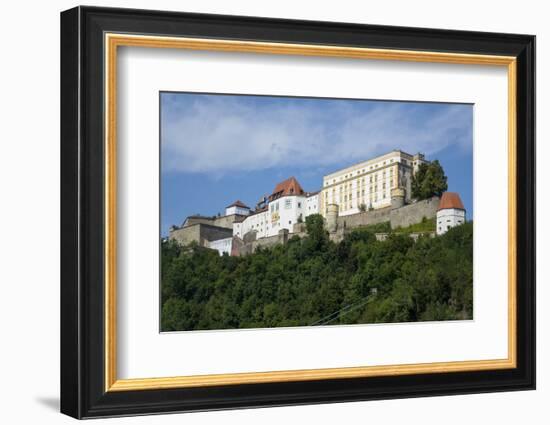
(382, 183)
(369, 184)
(450, 212)
(287, 205)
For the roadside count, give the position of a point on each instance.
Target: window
(289, 221)
(299, 205)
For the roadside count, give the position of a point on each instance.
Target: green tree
(359, 280)
(317, 235)
(429, 180)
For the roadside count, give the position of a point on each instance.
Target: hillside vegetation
(315, 281)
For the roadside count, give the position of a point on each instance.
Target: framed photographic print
(261, 212)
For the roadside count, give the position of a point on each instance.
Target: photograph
(279, 211)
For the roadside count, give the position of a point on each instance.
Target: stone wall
(226, 220)
(222, 221)
(414, 236)
(364, 218)
(398, 217)
(414, 213)
(200, 233)
(186, 235)
(241, 247)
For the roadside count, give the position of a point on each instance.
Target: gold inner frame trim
(113, 41)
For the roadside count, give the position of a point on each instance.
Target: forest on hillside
(314, 281)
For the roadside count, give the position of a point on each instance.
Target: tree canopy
(313, 280)
(429, 180)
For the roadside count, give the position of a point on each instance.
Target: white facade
(238, 229)
(448, 218)
(368, 184)
(285, 212)
(236, 210)
(281, 213)
(257, 222)
(312, 204)
(223, 246)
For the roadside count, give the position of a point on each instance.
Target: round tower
(397, 197)
(332, 217)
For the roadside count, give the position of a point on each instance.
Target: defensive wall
(221, 221)
(398, 217)
(200, 232)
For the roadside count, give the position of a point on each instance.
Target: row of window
(372, 167)
(260, 228)
(362, 182)
(361, 194)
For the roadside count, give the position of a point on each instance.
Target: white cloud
(222, 134)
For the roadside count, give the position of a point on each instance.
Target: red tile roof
(450, 200)
(289, 186)
(239, 204)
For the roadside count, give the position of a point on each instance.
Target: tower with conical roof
(450, 212)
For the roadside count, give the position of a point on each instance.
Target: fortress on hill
(374, 191)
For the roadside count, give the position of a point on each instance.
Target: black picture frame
(83, 392)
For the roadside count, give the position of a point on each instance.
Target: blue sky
(219, 148)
